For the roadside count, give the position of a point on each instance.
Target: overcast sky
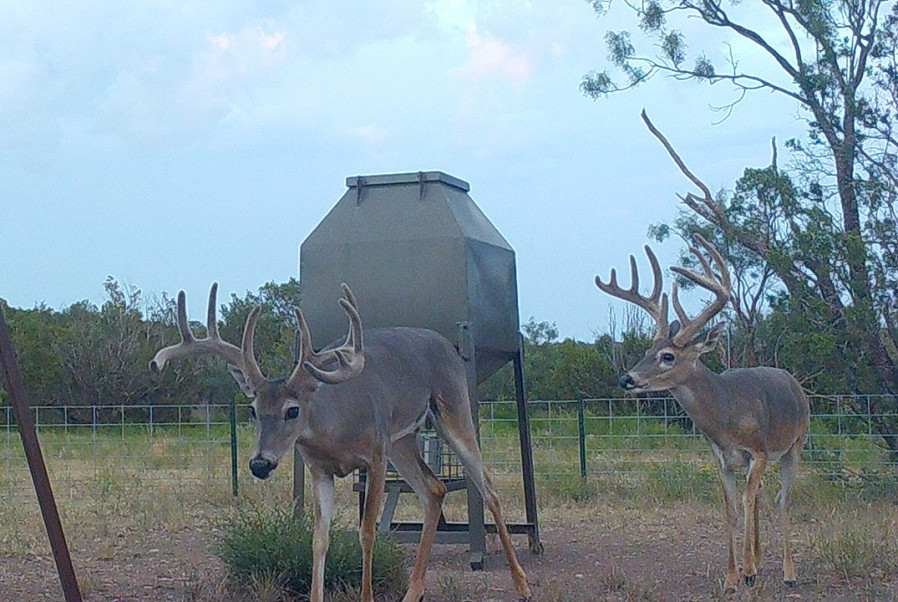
(171, 144)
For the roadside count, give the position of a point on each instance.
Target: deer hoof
(750, 580)
(790, 582)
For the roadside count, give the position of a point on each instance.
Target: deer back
(758, 408)
(407, 371)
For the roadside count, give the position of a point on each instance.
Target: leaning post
(13, 381)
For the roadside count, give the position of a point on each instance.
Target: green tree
(86, 356)
(826, 227)
(104, 355)
(276, 328)
(554, 369)
(34, 333)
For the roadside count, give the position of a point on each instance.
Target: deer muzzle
(626, 382)
(261, 467)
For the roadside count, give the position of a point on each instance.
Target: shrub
(271, 546)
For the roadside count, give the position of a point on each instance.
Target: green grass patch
(856, 547)
(270, 546)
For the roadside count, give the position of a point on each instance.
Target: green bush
(271, 546)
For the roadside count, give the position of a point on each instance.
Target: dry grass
(845, 532)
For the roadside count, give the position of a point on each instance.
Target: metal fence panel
(172, 446)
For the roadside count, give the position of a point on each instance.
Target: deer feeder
(417, 251)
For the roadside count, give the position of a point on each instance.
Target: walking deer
(750, 416)
(354, 405)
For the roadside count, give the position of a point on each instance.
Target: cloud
(163, 99)
(453, 14)
(490, 58)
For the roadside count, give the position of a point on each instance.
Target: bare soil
(592, 553)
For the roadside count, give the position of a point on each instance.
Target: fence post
(232, 418)
(581, 434)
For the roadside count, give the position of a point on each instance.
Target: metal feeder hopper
(417, 251)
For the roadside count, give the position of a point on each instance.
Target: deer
(750, 416)
(355, 405)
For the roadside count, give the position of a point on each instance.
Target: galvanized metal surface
(417, 251)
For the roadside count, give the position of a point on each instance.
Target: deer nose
(627, 382)
(261, 467)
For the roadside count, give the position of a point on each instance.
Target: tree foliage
(86, 356)
(275, 329)
(567, 369)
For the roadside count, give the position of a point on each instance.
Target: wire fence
(169, 446)
(623, 437)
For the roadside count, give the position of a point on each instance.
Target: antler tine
(720, 285)
(718, 259)
(190, 345)
(349, 356)
(305, 353)
(349, 305)
(187, 339)
(249, 365)
(211, 314)
(682, 316)
(655, 304)
(183, 326)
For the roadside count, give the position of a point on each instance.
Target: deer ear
(674, 329)
(244, 384)
(707, 342)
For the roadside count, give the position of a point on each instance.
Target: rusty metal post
(13, 381)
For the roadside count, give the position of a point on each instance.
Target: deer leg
(374, 490)
(323, 488)
(731, 500)
(789, 466)
(406, 458)
(757, 522)
(750, 547)
(453, 421)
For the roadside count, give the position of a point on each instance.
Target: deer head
(674, 355)
(278, 404)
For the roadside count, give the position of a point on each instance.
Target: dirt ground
(674, 554)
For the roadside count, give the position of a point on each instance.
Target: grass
(265, 546)
(107, 483)
(855, 547)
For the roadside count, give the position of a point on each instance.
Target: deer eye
(252, 412)
(668, 357)
(292, 413)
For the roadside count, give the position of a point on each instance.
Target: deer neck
(697, 394)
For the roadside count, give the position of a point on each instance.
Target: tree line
(86, 355)
(93, 355)
(90, 358)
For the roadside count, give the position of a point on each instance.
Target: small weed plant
(856, 547)
(270, 546)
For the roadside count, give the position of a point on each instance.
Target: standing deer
(354, 405)
(750, 416)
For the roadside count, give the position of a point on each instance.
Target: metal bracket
(421, 182)
(465, 344)
(360, 183)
